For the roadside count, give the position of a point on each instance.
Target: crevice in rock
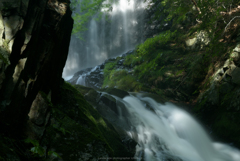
(3, 36)
(225, 69)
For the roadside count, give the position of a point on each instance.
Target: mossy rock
(116, 92)
(82, 89)
(77, 131)
(90, 94)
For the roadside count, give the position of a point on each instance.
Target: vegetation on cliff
(187, 51)
(183, 62)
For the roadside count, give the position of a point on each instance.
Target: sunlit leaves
(84, 10)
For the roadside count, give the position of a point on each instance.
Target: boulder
(109, 101)
(117, 92)
(76, 130)
(90, 77)
(235, 74)
(235, 56)
(232, 74)
(200, 40)
(237, 48)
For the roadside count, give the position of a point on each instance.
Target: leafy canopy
(84, 10)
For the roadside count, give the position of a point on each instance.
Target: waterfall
(113, 34)
(165, 132)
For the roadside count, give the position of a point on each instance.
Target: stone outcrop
(34, 41)
(219, 105)
(93, 77)
(90, 77)
(200, 40)
(110, 108)
(76, 131)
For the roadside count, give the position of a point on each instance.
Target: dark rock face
(34, 38)
(35, 102)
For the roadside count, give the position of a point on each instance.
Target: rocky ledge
(93, 77)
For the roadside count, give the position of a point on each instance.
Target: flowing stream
(165, 132)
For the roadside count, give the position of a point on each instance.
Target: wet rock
(75, 77)
(117, 92)
(129, 143)
(90, 77)
(92, 96)
(93, 77)
(109, 101)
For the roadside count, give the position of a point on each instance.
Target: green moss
(108, 67)
(76, 124)
(83, 89)
(122, 80)
(133, 59)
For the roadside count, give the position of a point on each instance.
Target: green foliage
(122, 80)
(54, 154)
(151, 44)
(152, 63)
(84, 10)
(39, 150)
(108, 67)
(36, 149)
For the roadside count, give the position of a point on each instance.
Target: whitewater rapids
(165, 132)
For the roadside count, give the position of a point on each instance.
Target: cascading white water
(81, 80)
(165, 132)
(115, 33)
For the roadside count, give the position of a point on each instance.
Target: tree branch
(230, 23)
(195, 4)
